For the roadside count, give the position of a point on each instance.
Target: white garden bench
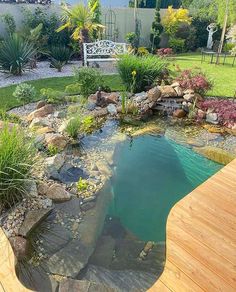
(103, 51)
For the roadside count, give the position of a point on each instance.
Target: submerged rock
(32, 219)
(216, 154)
(148, 130)
(83, 286)
(19, 246)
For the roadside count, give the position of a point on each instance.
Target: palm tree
(80, 20)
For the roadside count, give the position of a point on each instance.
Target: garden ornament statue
(212, 28)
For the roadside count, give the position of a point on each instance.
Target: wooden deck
(201, 238)
(201, 241)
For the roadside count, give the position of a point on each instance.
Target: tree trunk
(84, 38)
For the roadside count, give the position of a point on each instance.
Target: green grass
(223, 76)
(7, 101)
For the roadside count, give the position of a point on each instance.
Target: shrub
(87, 124)
(178, 45)
(53, 96)
(226, 110)
(60, 53)
(89, 79)
(24, 93)
(142, 51)
(139, 72)
(73, 88)
(196, 80)
(228, 47)
(57, 64)
(131, 39)
(17, 156)
(164, 52)
(16, 54)
(73, 126)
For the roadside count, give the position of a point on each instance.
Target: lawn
(223, 76)
(7, 101)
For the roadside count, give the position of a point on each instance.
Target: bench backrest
(104, 48)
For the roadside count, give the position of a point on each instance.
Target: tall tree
(156, 29)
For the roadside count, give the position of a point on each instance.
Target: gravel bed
(43, 70)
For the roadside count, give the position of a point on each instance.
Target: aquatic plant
(82, 185)
(17, 157)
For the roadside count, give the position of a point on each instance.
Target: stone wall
(124, 18)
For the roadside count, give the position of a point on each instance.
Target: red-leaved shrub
(164, 52)
(226, 110)
(196, 80)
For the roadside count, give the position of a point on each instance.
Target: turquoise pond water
(151, 175)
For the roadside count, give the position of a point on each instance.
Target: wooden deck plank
(201, 238)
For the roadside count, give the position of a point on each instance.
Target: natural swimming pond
(152, 173)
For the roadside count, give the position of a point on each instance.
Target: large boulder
(179, 113)
(154, 94)
(32, 219)
(83, 286)
(216, 154)
(53, 164)
(57, 193)
(41, 112)
(167, 91)
(56, 140)
(39, 122)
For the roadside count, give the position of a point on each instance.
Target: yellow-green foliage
(82, 185)
(87, 124)
(174, 18)
(73, 88)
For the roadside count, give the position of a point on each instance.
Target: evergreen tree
(156, 29)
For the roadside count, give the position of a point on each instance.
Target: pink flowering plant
(194, 79)
(225, 109)
(164, 52)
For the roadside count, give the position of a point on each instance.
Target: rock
(154, 94)
(139, 97)
(54, 164)
(212, 118)
(19, 246)
(60, 114)
(71, 174)
(100, 112)
(179, 91)
(148, 246)
(148, 130)
(57, 193)
(91, 106)
(216, 154)
(39, 122)
(195, 142)
(32, 219)
(104, 168)
(179, 113)
(44, 130)
(189, 91)
(40, 104)
(83, 286)
(167, 91)
(201, 114)
(175, 84)
(56, 140)
(113, 98)
(111, 108)
(42, 188)
(41, 112)
(189, 97)
(31, 188)
(108, 155)
(87, 206)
